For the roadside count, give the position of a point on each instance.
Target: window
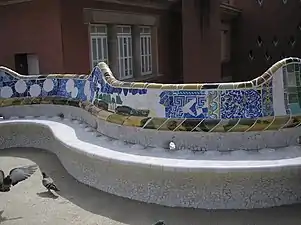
(146, 50)
(99, 44)
(125, 53)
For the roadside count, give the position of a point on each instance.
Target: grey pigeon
(15, 176)
(160, 222)
(48, 183)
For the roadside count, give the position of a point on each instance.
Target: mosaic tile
(230, 107)
(185, 104)
(267, 99)
(241, 104)
(213, 104)
(65, 87)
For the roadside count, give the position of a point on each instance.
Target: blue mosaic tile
(240, 104)
(267, 99)
(185, 104)
(80, 85)
(62, 92)
(4, 77)
(52, 92)
(96, 75)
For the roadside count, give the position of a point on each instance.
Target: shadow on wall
(136, 213)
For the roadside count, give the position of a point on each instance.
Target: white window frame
(98, 37)
(125, 52)
(146, 50)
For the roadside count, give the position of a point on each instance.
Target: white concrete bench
(213, 184)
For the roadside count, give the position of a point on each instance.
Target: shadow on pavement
(4, 219)
(138, 213)
(47, 194)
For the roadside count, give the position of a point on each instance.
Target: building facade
(150, 40)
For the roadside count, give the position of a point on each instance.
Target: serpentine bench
(250, 160)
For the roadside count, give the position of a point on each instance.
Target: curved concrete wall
(151, 138)
(207, 184)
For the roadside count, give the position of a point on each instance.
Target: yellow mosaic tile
(139, 85)
(171, 125)
(217, 126)
(226, 86)
(260, 125)
(110, 79)
(153, 123)
(266, 76)
(260, 81)
(240, 85)
(293, 122)
(279, 122)
(127, 84)
(298, 118)
(168, 86)
(207, 125)
(103, 114)
(249, 84)
(189, 124)
(230, 125)
(190, 87)
(154, 86)
(116, 118)
(277, 66)
(134, 121)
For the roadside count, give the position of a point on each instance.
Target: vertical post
(136, 51)
(113, 50)
(201, 51)
(154, 43)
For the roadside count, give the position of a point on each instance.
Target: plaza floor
(28, 203)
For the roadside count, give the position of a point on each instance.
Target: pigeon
(15, 176)
(160, 222)
(48, 183)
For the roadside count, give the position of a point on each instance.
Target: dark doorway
(21, 64)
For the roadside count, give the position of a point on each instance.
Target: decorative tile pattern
(186, 104)
(105, 87)
(267, 99)
(241, 104)
(292, 88)
(213, 104)
(187, 107)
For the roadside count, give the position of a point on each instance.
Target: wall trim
(163, 6)
(11, 2)
(119, 17)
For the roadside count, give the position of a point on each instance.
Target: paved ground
(29, 204)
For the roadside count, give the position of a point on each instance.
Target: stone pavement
(28, 203)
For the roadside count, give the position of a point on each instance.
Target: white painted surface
(74, 92)
(48, 85)
(33, 64)
(278, 93)
(76, 137)
(35, 90)
(69, 85)
(87, 90)
(20, 86)
(6, 92)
